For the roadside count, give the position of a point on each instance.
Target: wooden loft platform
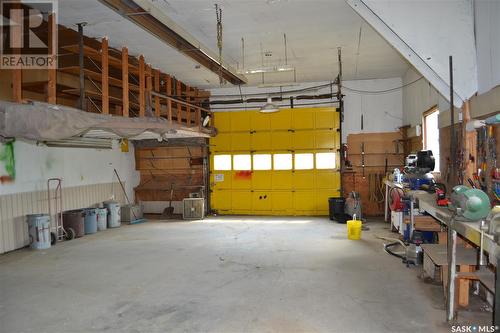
(114, 83)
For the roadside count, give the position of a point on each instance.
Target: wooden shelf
(96, 56)
(96, 95)
(75, 70)
(485, 276)
(41, 86)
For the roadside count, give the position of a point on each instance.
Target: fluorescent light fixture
(92, 143)
(270, 69)
(269, 107)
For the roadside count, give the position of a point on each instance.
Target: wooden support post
(463, 287)
(142, 84)
(52, 72)
(149, 89)
(125, 87)
(17, 38)
(17, 85)
(179, 106)
(470, 144)
(157, 89)
(105, 75)
(197, 115)
(81, 64)
(188, 108)
(169, 93)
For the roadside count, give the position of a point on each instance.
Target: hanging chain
(218, 13)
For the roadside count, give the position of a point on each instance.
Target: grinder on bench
(474, 204)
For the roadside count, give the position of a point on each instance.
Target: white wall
(76, 166)
(487, 22)
(419, 97)
(382, 112)
(431, 32)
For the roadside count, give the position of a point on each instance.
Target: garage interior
(249, 166)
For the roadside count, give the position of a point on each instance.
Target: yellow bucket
(354, 229)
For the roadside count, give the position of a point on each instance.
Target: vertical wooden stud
(17, 38)
(17, 85)
(125, 87)
(188, 108)
(178, 91)
(463, 287)
(197, 119)
(105, 75)
(142, 83)
(149, 88)
(169, 93)
(157, 89)
(52, 72)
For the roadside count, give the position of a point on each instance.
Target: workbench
(468, 230)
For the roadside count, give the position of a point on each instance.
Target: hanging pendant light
(269, 107)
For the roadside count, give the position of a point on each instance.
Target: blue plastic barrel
(39, 231)
(102, 219)
(114, 217)
(90, 221)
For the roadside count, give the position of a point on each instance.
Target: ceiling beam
(149, 20)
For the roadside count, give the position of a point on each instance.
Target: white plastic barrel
(114, 216)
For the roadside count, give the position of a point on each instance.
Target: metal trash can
(114, 216)
(74, 219)
(102, 219)
(90, 221)
(39, 231)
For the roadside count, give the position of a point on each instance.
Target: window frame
(326, 168)
(291, 162)
(230, 162)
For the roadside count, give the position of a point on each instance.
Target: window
(431, 134)
(283, 162)
(262, 162)
(325, 161)
(304, 161)
(222, 162)
(242, 162)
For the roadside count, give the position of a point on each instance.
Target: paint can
(114, 215)
(39, 231)
(90, 221)
(102, 219)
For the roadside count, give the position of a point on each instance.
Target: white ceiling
(314, 29)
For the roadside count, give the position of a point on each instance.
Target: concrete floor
(219, 275)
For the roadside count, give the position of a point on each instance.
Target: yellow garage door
(283, 163)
